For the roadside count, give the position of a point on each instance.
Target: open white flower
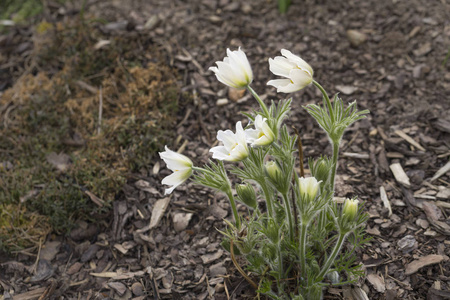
(262, 134)
(308, 187)
(234, 145)
(234, 70)
(297, 72)
(179, 164)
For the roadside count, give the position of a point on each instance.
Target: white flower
(297, 72)
(234, 145)
(308, 187)
(262, 135)
(234, 70)
(179, 164)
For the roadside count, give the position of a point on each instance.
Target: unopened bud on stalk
(273, 171)
(247, 195)
(350, 209)
(322, 171)
(308, 187)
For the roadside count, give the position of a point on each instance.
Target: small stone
(74, 268)
(432, 211)
(118, 287)
(423, 49)
(137, 289)
(49, 250)
(356, 37)
(235, 94)
(217, 269)
(222, 102)
(407, 243)
(346, 89)
(444, 194)
(377, 282)
(90, 253)
(208, 258)
(246, 8)
(181, 221)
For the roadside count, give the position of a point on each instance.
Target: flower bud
(273, 171)
(247, 195)
(309, 187)
(322, 171)
(350, 209)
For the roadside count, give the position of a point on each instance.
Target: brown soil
(397, 73)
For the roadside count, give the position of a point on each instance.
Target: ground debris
(424, 261)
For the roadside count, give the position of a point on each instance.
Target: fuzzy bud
(350, 209)
(247, 195)
(273, 171)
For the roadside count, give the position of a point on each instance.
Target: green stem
(198, 169)
(332, 257)
(335, 164)
(289, 214)
(234, 208)
(268, 197)
(261, 103)
(303, 231)
(327, 99)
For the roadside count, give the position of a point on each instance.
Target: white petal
(227, 76)
(227, 137)
(239, 153)
(283, 85)
(174, 160)
(220, 153)
(280, 66)
(251, 135)
(177, 178)
(300, 78)
(297, 60)
(240, 134)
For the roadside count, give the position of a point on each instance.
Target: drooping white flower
(308, 187)
(262, 135)
(179, 164)
(234, 145)
(234, 70)
(298, 73)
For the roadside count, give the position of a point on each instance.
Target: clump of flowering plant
(293, 244)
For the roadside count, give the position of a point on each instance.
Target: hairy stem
(234, 208)
(238, 267)
(327, 100)
(303, 232)
(332, 257)
(335, 164)
(289, 214)
(261, 103)
(268, 197)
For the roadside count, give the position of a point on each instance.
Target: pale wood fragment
(356, 155)
(158, 211)
(400, 174)
(428, 260)
(385, 200)
(441, 171)
(409, 140)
